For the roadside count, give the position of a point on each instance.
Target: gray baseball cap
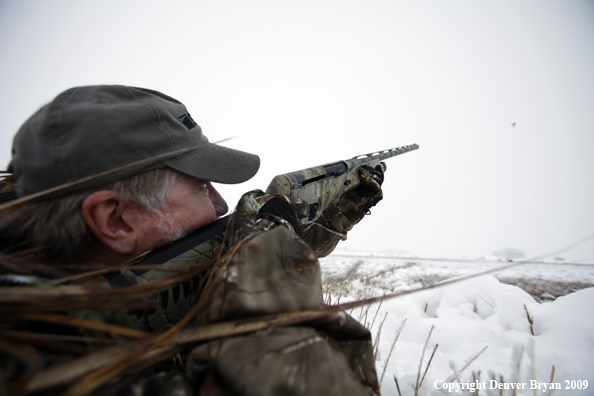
(92, 135)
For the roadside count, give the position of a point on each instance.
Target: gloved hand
(257, 211)
(355, 204)
(279, 209)
(369, 192)
(334, 223)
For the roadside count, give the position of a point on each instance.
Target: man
(118, 133)
(103, 174)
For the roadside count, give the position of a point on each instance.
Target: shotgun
(318, 186)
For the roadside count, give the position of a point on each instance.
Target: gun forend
(285, 183)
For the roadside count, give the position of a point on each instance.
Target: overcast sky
(302, 83)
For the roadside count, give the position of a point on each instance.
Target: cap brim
(217, 164)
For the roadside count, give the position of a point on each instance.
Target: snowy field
(512, 329)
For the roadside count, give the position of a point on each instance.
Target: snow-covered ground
(484, 329)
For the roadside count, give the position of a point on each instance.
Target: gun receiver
(323, 185)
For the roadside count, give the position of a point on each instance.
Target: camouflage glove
(281, 211)
(258, 211)
(357, 202)
(323, 235)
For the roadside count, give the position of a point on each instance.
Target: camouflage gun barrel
(323, 185)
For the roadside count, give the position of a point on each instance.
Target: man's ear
(112, 220)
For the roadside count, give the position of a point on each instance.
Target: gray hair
(56, 229)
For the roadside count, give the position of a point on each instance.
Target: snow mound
(485, 331)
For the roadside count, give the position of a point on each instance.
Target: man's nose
(218, 202)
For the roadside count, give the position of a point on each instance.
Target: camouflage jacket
(273, 268)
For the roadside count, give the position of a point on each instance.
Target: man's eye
(201, 187)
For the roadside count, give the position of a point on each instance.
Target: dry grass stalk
(428, 364)
(19, 201)
(476, 378)
(16, 300)
(474, 358)
(532, 353)
(417, 385)
(491, 305)
(377, 339)
(391, 349)
(28, 356)
(456, 374)
(517, 355)
(25, 336)
(84, 323)
(102, 271)
(530, 320)
(397, 386)
(376, 312)
(328, 299)
(552, 379)
(364, 319)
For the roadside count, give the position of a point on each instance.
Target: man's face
(191, 204)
